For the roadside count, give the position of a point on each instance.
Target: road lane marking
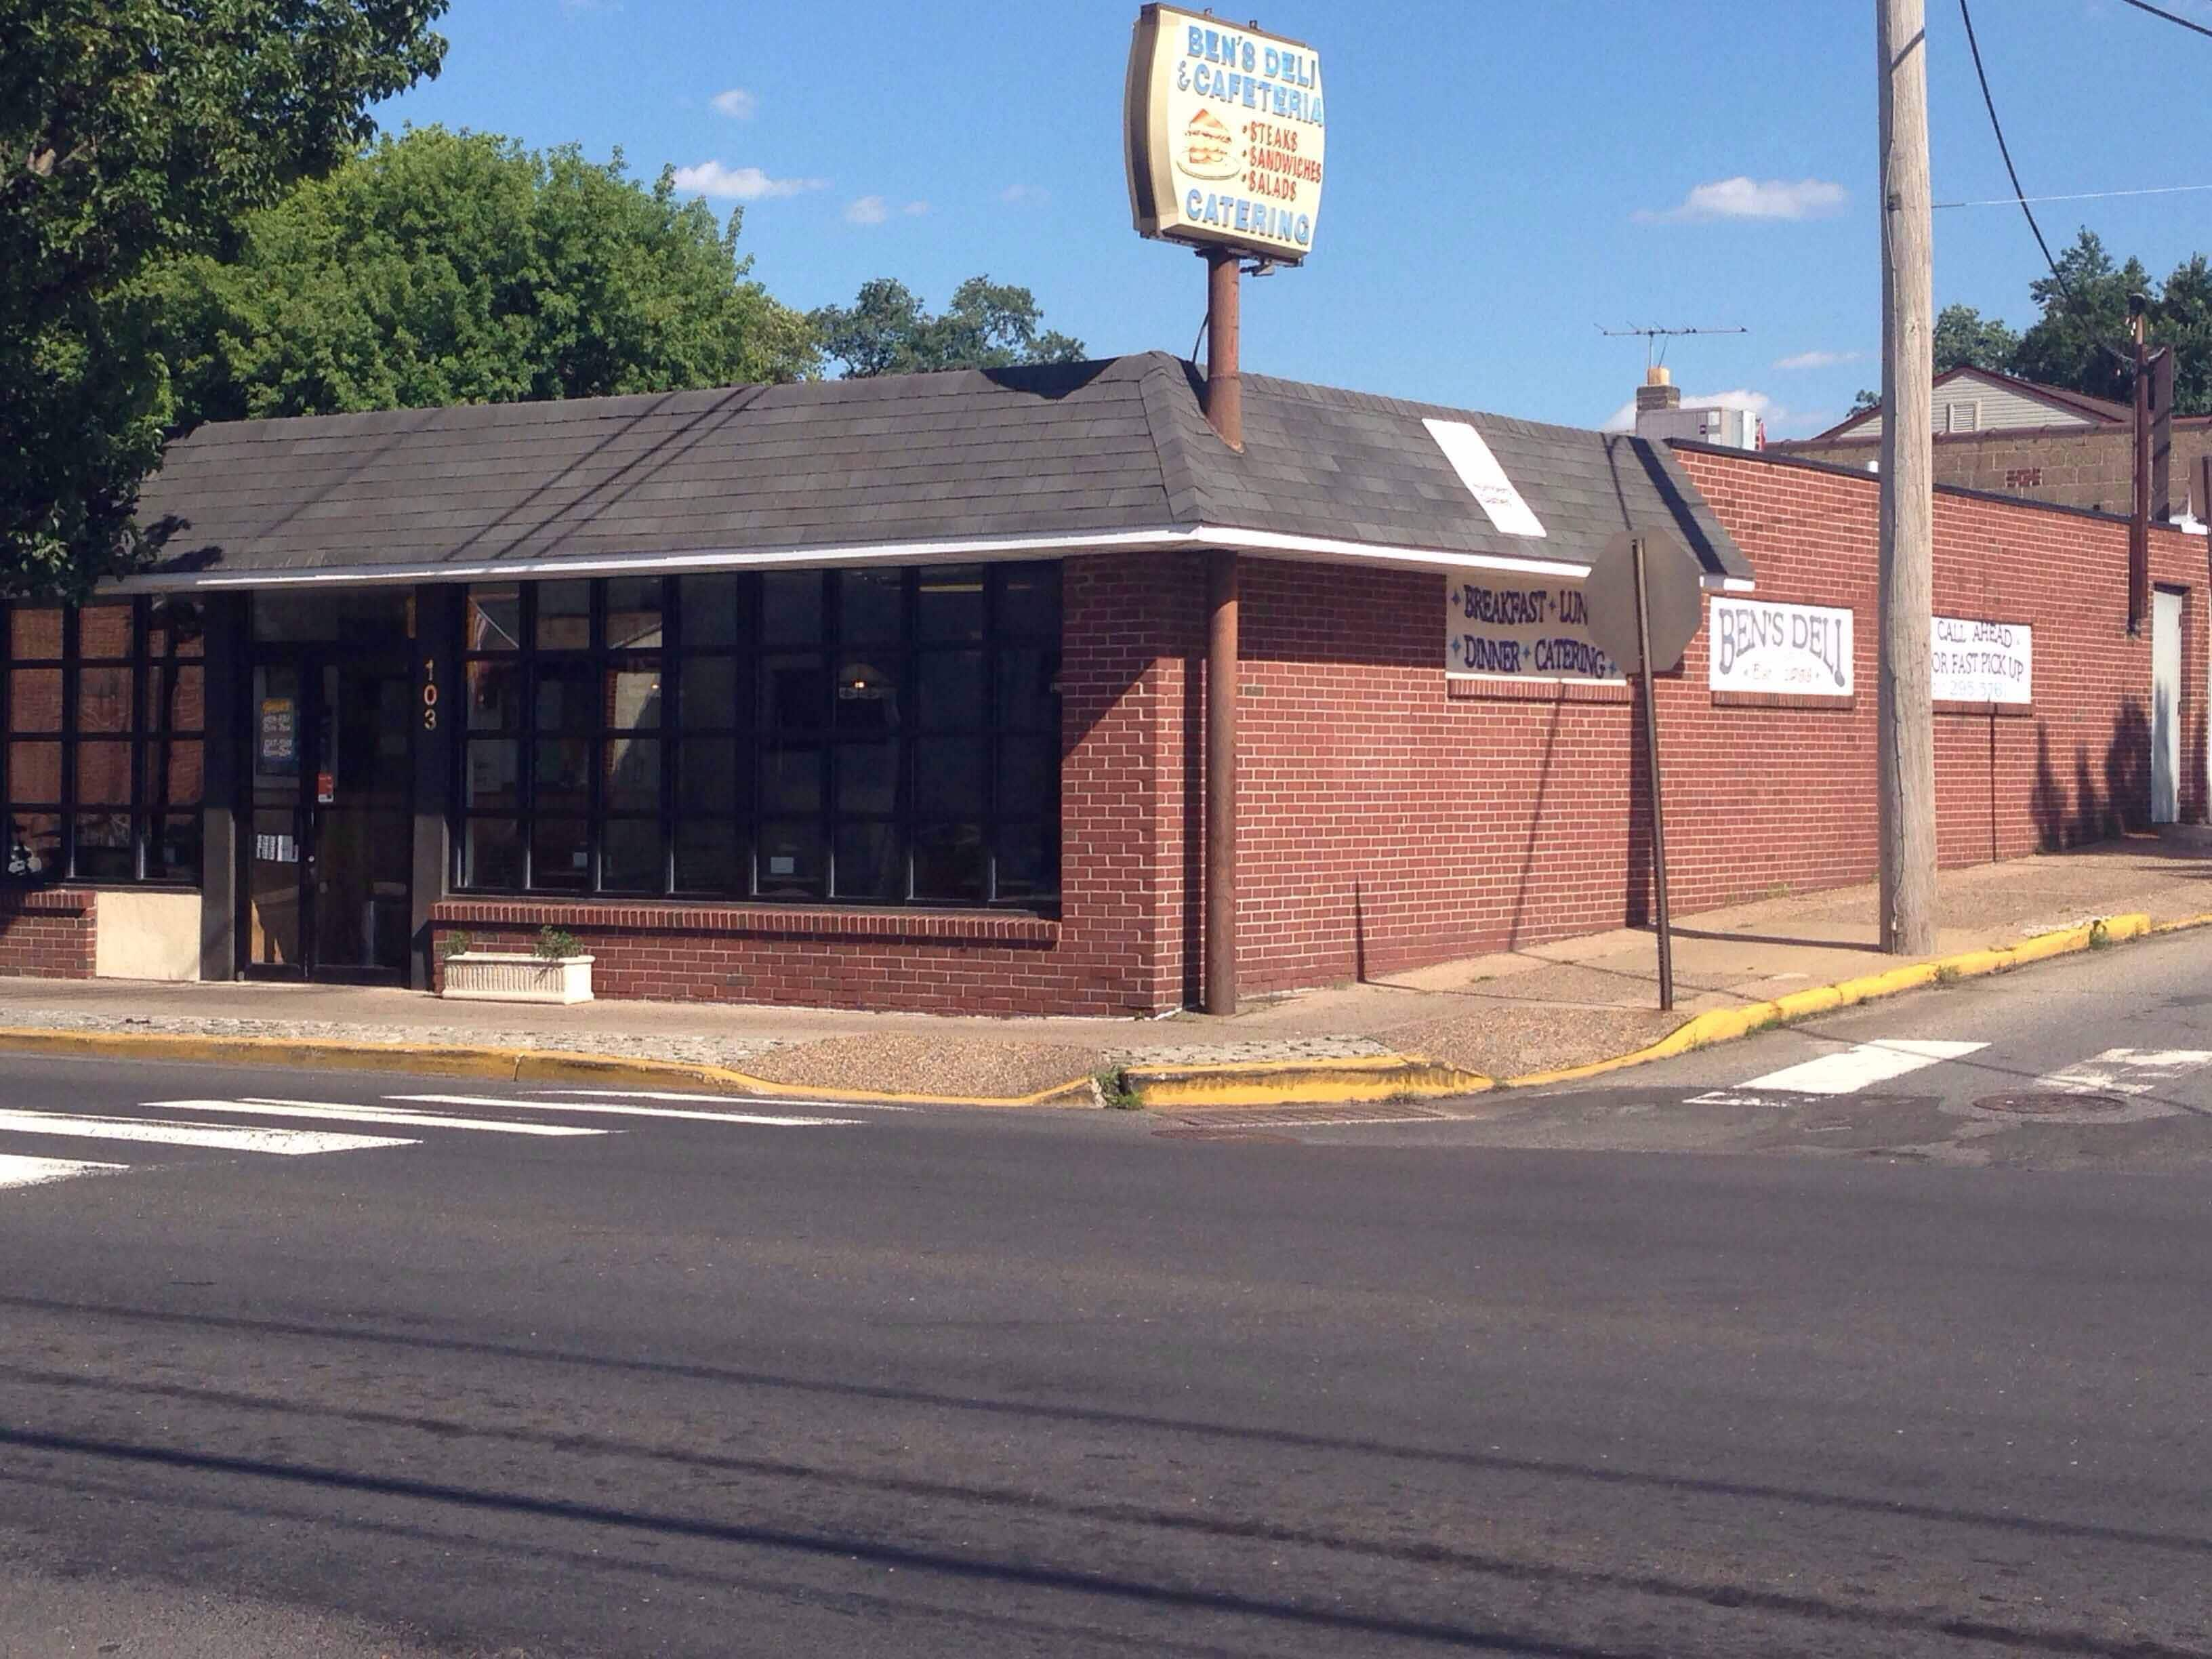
(1849, 1070)
(2125, 1071)
(285, 1143)
(599, 1108)
(753, 1100)
(252, 1106)
(19, 1170)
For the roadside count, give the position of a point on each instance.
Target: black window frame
(144, 737)
(740, 733)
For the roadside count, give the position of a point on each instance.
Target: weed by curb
(1114, 1093)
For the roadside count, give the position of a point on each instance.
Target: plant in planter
(554, 969)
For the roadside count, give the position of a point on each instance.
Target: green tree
(2080, 340)
(1964, 338)
(131, 130)
(445, 268)
(887, 331)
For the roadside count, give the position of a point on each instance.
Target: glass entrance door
(331, 852)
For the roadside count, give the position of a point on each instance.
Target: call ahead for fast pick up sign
(1222, 131)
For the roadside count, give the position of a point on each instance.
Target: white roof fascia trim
(1276, 544)
(1327, 550)
(703, 560)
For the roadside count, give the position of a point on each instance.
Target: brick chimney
(1658, 391)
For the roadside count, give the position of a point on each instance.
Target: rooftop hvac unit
(1736, 428)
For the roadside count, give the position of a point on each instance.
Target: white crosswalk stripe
(750, 1100)
(285, 1143)
(606, 1108)
(254, 1107)
(17, 1169)
(1845, 1071)
(195, 1124)
(2125, 1071)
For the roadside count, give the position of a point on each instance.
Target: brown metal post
(1225, 395)
(1221, 677)
(1224, 410)
(1651, 766)
(2139, 525)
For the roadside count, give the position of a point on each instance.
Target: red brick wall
(47, 933)
(1121, 708)
(1390, 819)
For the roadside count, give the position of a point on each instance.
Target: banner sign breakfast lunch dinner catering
(1497, 628)
(1804, 650)
(1222, 135)
(1983, 661)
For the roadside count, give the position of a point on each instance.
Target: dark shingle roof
(1068, 451)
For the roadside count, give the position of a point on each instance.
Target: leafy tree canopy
(1965, 338)
(444, 268)
(2081, 341)
(887, 331)
(129, 130)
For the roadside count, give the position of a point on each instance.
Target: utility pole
(1906, 760)
(2139, 520)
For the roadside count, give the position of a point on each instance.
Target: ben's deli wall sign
(1223, 132)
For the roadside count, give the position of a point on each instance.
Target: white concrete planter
(517, 976)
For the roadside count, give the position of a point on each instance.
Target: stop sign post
(1645, 594)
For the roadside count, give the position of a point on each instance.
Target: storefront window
(105, 714)
(867, 736)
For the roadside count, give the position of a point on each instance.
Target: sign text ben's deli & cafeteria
(1222, 133)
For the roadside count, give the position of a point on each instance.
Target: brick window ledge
(47, 901)
(758, 921)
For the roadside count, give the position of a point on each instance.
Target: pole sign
(1222, 135)
(1804, 650)
(1981, 661)
(1526, 630)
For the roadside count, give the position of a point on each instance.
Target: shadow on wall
(2092, 814)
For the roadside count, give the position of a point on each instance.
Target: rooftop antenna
(1654, 352)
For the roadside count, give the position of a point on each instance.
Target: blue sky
(1503, 178)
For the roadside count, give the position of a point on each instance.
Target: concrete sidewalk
(1502, 1017)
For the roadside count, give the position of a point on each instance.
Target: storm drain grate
(2052, 1102)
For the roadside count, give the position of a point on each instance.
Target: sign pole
(1225, 409)
(1652, 765)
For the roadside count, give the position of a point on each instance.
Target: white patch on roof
(1485, 480)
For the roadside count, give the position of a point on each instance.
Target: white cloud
(740, 183)
(875, 210)
(736, 103)
(1025, 195)
(1818, 359)
(1742, 197)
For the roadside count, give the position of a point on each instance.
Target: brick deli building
(890, 693)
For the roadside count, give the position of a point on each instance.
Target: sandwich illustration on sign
(1209, 149)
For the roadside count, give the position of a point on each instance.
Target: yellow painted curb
(1231, 1083)
(1306, 1082)
(502, 1065)
(1726, 1024)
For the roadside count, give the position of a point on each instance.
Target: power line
(2011, 172)
(2141, 5)
(2078, 196)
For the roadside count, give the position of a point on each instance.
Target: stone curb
(502, 1065)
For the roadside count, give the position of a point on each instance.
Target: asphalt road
(1073, 1384)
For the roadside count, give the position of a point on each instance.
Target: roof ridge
(1182, 477)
